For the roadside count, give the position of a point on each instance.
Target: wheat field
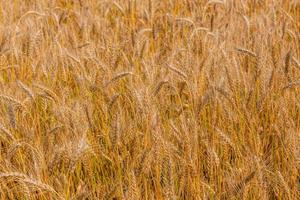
(149, 99)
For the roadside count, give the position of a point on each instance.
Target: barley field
(149, 99)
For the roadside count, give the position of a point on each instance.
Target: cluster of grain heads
(194, 99)
(24, 184)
